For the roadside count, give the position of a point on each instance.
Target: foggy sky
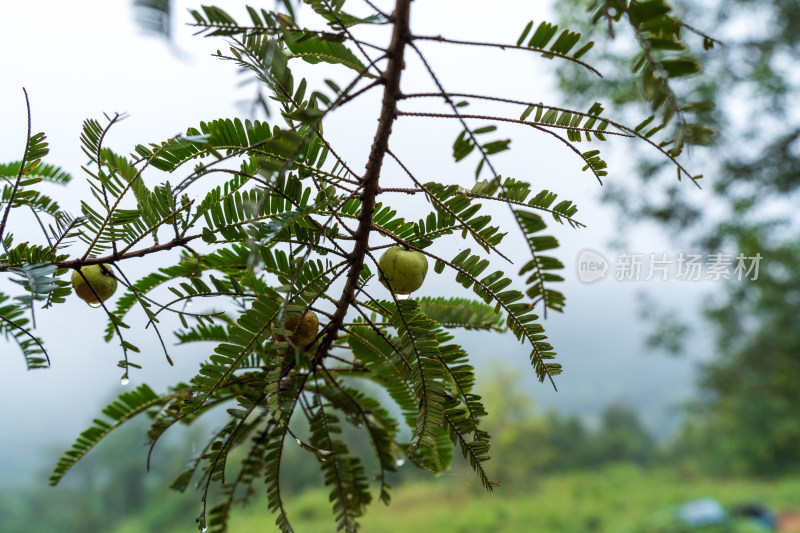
(81, 60)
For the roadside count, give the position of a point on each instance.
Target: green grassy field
(618, 499)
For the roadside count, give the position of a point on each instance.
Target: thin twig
(701, 34)
(378, 10)
(537, 125)
(444, 207)
(485, 157)
(28, 334)
(22, 165)
(440, 39)
(77, 263)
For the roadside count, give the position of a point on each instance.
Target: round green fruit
(100, 278)
(402, 271)
(303, 327)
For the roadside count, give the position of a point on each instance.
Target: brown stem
(23, 162)
(440, 39)
(77, 263)
(537, 125)
(370, 184)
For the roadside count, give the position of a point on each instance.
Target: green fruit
(303, 327)
(100, 278)
(402, 271)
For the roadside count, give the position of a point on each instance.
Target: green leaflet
(543, 36)
(540, 268)
(344, 473)
(250, 329)
(392, 370)
(13, 325)
(417, 343)
(125, 407)
(664, 57)
(519, 315)
(337, 18)
(380, 426)
(316, 48)
(461, 312)
(42, 171)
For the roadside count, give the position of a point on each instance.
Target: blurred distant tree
(529, 443)
(749, 406)
(108, 487)
(622, 437)
(746, 419)
(753, 388)
(521, 448)
(572, 445)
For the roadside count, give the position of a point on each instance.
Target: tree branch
(22, 164)
(77, 263)
(440, 39)
(536, 125)
(370, 184)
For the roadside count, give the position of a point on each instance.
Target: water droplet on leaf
(324, 455)
(124, 381)
(95, 304)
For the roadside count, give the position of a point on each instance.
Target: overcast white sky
(79, 60)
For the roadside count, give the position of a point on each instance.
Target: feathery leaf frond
(125, 407)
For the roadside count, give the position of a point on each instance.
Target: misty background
(79, 63)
